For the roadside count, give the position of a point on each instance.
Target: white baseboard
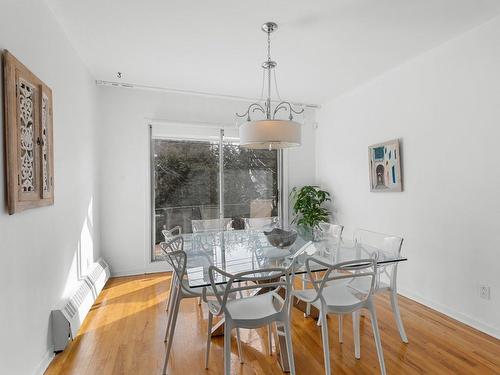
(135, 272)
(151, 268)
(461, 317)
(44, 362)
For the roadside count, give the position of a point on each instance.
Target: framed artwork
(385, 166)
(28, 137)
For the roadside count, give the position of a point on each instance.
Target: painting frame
(384, 163)
(29, 144)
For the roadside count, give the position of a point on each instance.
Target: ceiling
(323, 47)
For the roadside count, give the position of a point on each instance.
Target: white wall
(38, 247)
(445, 107)
(124, 164)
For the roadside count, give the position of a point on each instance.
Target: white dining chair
(172, 232)
(331, 234)
(260, 223)
(333, 294)
(310, 249)
(169, 234)
(207, 225)
(253, 310)
(181, 290)
(386, 280)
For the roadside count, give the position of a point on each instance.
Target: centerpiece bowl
(281, 238)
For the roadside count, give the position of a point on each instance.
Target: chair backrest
(393, 244)
(260, 223)
(329, 229)
(211, 225)
(332, 234)
(176, 256)
(168, 234)
(268, 278)
(387, 242)
(350, 271)
(308, 248)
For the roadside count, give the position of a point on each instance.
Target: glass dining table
(237, 251)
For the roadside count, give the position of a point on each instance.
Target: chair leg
(308, 310)
(171, 330)
(199, 301)
(270, 338)
(170, 296)
(227, 348)
(324, 337)
(341, 328)
(355, 332)
(397, 316)
(171, 305)
(238, 343)
(209, 338)
(170, 292)
(318, 323)
(175, 297)
(376, 335)
(308, 306)
(289, 346)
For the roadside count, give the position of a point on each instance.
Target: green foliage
(307, 202)
(187, 174)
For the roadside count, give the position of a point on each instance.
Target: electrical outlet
(484, 292)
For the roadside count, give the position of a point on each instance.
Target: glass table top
(249, 250)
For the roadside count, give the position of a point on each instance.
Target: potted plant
(308, 210)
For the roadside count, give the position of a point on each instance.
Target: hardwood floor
(124, 331)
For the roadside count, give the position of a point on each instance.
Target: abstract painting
(385, 166)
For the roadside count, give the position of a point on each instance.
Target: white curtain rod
(202, 124)
(190, 92)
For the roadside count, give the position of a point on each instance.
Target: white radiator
(68, 317)
(98, 275)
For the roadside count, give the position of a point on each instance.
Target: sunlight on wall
(84, 254)
(86, 244)
(72, 278)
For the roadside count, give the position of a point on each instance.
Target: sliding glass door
(210, 184)
(250, 184)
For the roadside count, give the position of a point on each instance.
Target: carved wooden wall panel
(47, 145)
(28, 134)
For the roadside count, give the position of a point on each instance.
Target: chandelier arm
(252, 108)
(277, 109)
(287, 106)
(297, 112)
(259, 108)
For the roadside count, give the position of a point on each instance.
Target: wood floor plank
(123, 334)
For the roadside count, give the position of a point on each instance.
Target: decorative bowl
(281, 238)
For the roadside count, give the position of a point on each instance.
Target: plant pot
(307, 233)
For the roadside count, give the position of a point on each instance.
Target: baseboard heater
(68, 317)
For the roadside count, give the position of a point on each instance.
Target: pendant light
(271, 132)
